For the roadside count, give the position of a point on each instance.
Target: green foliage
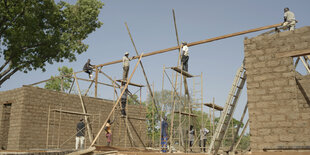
(55, 83)
(34, 33)
(132, 99)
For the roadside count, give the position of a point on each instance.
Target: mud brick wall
(10, 137)
(278, 117)
(29, 119)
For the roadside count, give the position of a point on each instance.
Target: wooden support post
(153, 122)
(89, 129)
(48, 125)
(96, 82)
(305, 64)
(89, 88)
(117, 102)
(241, 135)
(199, 42)
(145, 77)
(162, 106)
(72, 85)
(239, 126)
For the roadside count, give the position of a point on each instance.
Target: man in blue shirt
(164, 134)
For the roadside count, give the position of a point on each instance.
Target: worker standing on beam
(88, 68)
(185, 57)
(289, 19)
(126, 60)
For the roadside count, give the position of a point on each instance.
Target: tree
(57, 83)
(34, 33)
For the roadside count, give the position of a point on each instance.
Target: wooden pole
(117, 102)
(153, 122)
(162, 106)
(239, 125)
(71, 86)
(241, 135)
(89, 130)
(48, 125)
(96, 82)
(145, 77)
(198, 42)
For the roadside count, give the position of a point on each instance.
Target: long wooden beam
(197, 43)
(116, 104)
(294, 53)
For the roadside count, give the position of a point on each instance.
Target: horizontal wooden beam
(70, 112)
(186, 74)
(197, 43)
(296, 53)
(184, 113)
(217, 107)
(132, 84)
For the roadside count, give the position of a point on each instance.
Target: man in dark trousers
(164, 135)
(185, 57)
(88, 68)
(124, 101)
(80, 128)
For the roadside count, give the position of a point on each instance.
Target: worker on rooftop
(126, 60)
(88, 68)
(185, 57)
(289, 19)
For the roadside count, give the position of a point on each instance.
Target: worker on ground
(203, 139)
(191, 137)
(88, 68)
(126, 60)
(108, 130)
(164, 135)
(289, 19)
(124, 101)
(80, 128)
(185, 57)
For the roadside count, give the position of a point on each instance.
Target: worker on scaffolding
(164, 135)
(289, 19)
(88, 68)
(79, 139)
(108, 130)
(185, 57)
(124, 101)
(126, 60)
(203, 139)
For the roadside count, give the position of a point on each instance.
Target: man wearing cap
(289, 19)
(126, 60)
(185, 57)
(80, 128)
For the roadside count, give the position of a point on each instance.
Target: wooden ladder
(228, 111)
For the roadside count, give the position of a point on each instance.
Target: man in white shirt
(203, 139)
(289, 19)
(185, 57)
(126, 66)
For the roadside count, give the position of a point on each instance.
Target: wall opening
(5, 124)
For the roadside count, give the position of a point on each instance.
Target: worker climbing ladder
(228, 111)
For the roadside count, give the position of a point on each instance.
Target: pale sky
(152, 27)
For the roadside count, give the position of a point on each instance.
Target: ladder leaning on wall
(228, 111)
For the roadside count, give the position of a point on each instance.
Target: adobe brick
(278, 117)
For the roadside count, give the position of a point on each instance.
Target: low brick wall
(279, 116)
(29, 128)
